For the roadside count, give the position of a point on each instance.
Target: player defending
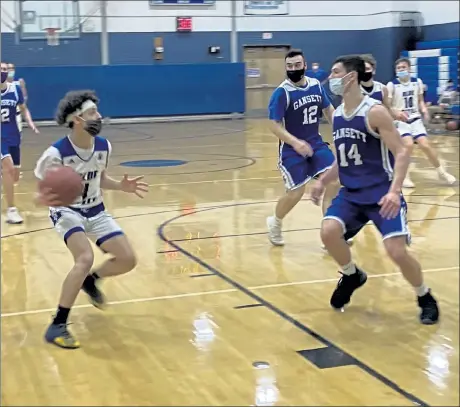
(12, 99)
(294, 114)
(406, 95)
(363, 133)
(88, 154)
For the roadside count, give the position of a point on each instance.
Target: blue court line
(366, 368)
(248, 306)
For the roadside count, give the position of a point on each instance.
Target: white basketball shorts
(414, 128)
(98, 228)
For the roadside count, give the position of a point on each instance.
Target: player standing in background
(406, 95)
(88, 155)
(12, 99)
(21, 82)
(364, 134)
(294, 113)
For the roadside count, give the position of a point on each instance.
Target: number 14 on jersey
(352, 155)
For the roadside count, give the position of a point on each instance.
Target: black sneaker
(430, 311)
(345, 288)
(94, 293)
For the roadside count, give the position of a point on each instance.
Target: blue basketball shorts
(298, 171)
(12, 151)
(354, 216)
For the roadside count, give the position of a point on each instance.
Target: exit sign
(184, 24)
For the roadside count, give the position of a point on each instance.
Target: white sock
(441, 170)
(349, 269)
(421, 291)
(278, 221)
(11, 209)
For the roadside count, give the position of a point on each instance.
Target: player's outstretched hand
(47, 198)
(317, 192)
(390, 205)
(303, 148)
(133, 186)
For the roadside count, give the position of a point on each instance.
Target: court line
(200, 208)
(213, 292)
(284, 315)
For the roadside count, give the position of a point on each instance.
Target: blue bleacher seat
(438, 44)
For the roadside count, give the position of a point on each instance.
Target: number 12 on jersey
(310, 114)
(352, 155)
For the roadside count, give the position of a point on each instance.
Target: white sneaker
(408, 183)
(274, 232)
(445, 176)
(13, 217)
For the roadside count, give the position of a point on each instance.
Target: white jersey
(406, 96)
(377, 91)
(88, 163)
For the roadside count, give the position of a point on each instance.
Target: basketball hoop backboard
(37, 17)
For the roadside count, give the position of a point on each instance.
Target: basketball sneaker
(274, 231)
(95, 295)
(345, 288)
(59, 335)
(13, 217)
(429, 314)
(448, 178)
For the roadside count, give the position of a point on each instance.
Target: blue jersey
(11, 97)
(299, 108)
(365, 164)
(376, 92)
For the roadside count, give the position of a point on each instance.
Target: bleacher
(435, 62)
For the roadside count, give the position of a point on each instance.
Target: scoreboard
(181, 2)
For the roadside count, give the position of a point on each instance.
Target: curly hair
(71, 102)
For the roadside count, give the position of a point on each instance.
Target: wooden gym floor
(213, 315)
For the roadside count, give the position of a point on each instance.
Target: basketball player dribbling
(12, 100)
(406, 95)
(294, 112)
(88, 154)
(368, 147)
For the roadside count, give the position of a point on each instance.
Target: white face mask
(337, 85)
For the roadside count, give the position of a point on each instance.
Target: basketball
(452, 125)
(64, 182)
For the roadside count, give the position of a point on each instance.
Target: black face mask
(296, 76)
(93, 127)
(367, 76)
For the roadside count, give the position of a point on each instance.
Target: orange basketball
(64, 182)
(452, 125)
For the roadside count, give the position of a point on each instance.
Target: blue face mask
(11, 74)
(4, 76)
(402, 74)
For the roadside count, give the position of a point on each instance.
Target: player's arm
(51, 158)
(276, 111)
(388, 92)
(331, 175)
(24, 110)
(126, 184)
(381, 121)
(421, 101)
(22, 83)
(328, 109)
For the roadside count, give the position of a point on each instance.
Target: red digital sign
(184, 24)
